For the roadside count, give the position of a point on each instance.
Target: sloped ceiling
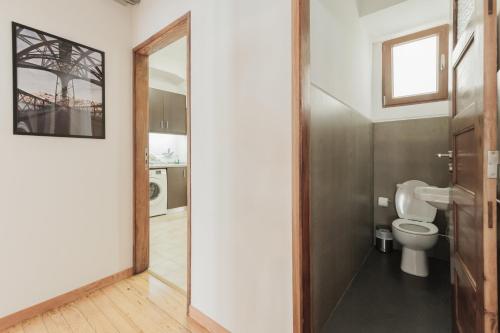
(128, 2)
(171, 59)
(366, 7)
(405, 16)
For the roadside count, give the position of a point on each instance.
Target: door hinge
(492, 164)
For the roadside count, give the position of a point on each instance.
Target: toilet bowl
(416, 238)
(414, 229)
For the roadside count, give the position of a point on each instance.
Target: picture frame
(58, 86)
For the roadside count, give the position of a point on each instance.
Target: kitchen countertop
(165, 166)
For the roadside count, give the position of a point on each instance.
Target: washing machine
(157, 192)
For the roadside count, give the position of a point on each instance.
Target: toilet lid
(411, 208)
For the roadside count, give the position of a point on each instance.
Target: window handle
(443, 62)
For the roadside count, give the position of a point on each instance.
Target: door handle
(443, 155)
(447, 155)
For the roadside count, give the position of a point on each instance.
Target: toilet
(414, 229)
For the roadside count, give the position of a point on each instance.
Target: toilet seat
(415, 227)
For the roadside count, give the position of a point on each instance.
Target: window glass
(415, 67)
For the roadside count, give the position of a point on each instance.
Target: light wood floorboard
(16, 329)
(138, 304)
(55, 322)
(34, 325)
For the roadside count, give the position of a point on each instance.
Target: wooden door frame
(171, 33)
(302, 311)
(490, 241)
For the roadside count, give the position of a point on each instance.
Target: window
(414, 68)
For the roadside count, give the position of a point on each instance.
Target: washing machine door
(157, 192)
(154, 190)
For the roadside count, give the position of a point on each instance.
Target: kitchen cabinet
(176, 187)
(167, 112)
(156, 116)
(175, 113)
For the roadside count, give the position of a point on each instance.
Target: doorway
(168, 164)
(162, 205)
(350, 165)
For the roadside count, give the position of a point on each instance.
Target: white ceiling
(405, 17)
(366, 7)
(172, 59)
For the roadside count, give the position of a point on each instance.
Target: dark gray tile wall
(341, 199)
(405, 150)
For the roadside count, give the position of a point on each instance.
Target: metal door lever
(449, 154)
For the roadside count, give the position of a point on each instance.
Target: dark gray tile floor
(383, 299)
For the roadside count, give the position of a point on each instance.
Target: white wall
(341, 53)
(241, 157)
(367, 7)
(163, 81)
(66, 204)
(346, 52)
(161, 144)
(167, 68)
(401, 19)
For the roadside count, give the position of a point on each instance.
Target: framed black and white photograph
(58, 86)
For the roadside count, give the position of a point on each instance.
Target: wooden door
(175, 113)
(156, 106)
(176, 187)
(473, 132)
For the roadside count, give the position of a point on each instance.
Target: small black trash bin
(383, 238)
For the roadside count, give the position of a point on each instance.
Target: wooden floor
(168, 249)
(138, 304)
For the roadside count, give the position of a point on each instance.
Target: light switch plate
(493, 164)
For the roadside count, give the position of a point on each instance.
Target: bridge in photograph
(35, 114)
(67, 60)
(57, 110)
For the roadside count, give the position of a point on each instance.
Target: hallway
(383, 299)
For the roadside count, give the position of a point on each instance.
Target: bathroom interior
(168, 155)
(368, 155)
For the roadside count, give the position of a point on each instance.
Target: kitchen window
(414, 68)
